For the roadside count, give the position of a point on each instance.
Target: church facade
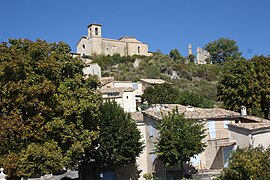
(94, 43)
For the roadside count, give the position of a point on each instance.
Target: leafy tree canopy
(247, 163)
(179, 139)
(194, 99)
(191, 58)
(45, 106)
(223, 49)
(246, 83)
(119, 139)
(161, 94)
(175, 55)
(167, 94)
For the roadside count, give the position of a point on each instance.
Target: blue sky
(161, 24)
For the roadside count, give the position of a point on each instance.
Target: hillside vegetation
(198, 81)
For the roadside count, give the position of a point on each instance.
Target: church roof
(93, 24)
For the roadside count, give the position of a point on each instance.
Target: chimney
(243, 111)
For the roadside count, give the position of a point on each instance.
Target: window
(127, 97)
(139, 49)
(212, 129)
(113, 94)
(135, 85)
(151, 129)
(83, 46)
(96, 31)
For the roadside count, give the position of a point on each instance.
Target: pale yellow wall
(87, 50)
(133, 49)
(92, 31)
(96, 45)
(210, 157)
(141, 163)
(110, 47)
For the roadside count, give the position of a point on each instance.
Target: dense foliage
(247, 163)
(169, 94)
(246, 83)
(161, 94)
(222, 50)
(48, 111)
(118, 143)
(179, 139)
(175, 55)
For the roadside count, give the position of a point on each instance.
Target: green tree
(262, 65)
(246, 83)
(247, 163)
(45, 106)
(179, 139)
(223, 49)
(153, 72)
(175, 55)
(238, 86)
(191, 58)
(161, 94)
(119, 139)
(194, 99)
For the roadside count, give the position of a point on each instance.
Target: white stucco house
(92, 69)
(125, 97)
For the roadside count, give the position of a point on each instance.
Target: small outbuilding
(250, 134)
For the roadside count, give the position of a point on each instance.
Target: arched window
(139, 50)
(96, 31)
(83, 46)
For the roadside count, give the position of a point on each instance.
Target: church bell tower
(94, 30)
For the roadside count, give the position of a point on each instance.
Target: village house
(94, 43)
(92, 69)
(217, 137)
(126, 93)
(124, 96)
(250, 134)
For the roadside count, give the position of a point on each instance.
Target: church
(94, 43)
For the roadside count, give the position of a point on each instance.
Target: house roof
(153, 81)
(129, 39)
(93, 24)
(251, 126)
(116, 89)
(254, 118)
(106, 80)
(137, 116)
(158, 111)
